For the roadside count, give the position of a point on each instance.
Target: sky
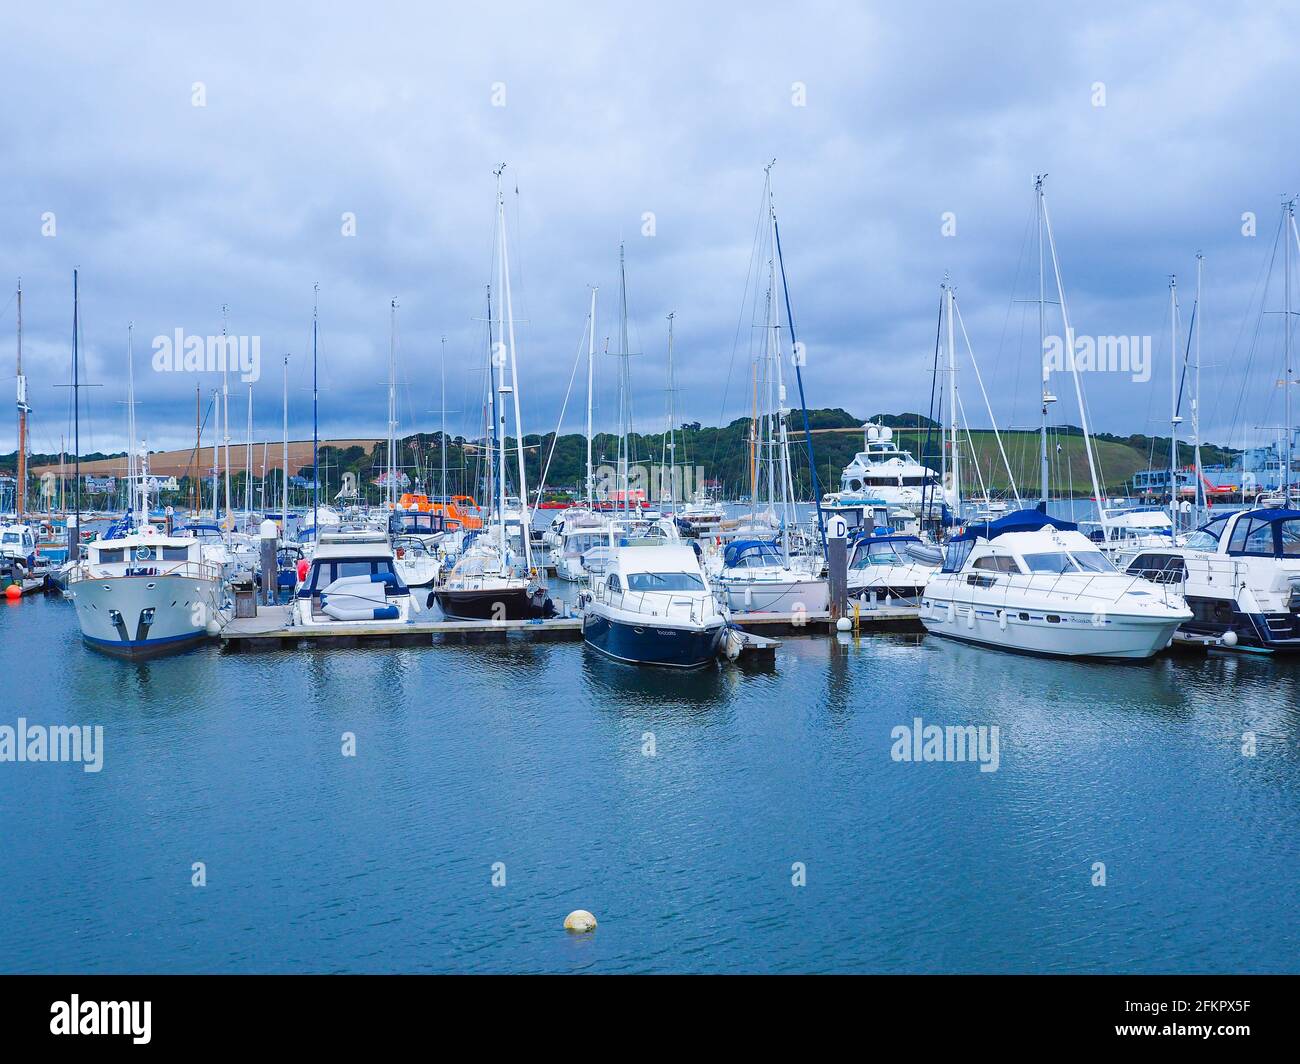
(186, 158)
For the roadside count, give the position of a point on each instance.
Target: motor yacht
(1032, 582)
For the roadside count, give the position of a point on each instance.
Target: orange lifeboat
(461, 511)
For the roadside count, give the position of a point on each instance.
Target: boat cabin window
(663, 582)
(1158, 568)
(109, 555)
(613, 582)
(175, 554)
(1289, 537)
(1051, 562)
(998, 563)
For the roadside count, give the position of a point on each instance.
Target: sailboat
(762, 574)
(494, 578)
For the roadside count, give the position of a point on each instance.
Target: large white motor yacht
(1034, 583)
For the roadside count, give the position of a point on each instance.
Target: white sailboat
(494, 579)
(763, 574)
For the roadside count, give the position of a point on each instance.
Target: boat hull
(144, 617)
(651, 644)
(1072, 635)
(807, 595)
(502, 604)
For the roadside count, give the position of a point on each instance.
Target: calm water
(531, 755)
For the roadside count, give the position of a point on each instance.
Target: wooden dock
(271, 630)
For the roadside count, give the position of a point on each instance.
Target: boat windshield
(1093, 561)
(878, 554)
(664, 582)
(1051, 562)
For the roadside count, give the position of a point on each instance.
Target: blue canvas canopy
(1019, 521)
(742, 548)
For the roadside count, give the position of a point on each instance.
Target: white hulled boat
(352, 580)
(144, 594)
(1034, 583)
(1240, 576)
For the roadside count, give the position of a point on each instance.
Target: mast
(797, 358)
(315, 420)
(248, 458)
(1074, 370)
(442, 450)
(670, 446)
(284, 487)
(225, 403)
(76, 403)
(952, 404)
(131, 467)
(1048, 397)
(624, 381)
(1288, 213)
(20, 496)
(1174, 419)
(591, 374)
(216, 457)
(779, 408)
(390, 489)
(195, 489)
(1196, 399)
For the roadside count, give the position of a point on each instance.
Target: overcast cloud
(386, 111)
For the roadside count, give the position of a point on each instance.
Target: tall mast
(499, 359)
(284, 486)
(1048, 397)
(797, 359)
(1074, 370)
(20, 496)
(216, 455)
(670, 446)
(591, 374)
(315, 419)
(442, 449)
(779, 408)
(1174, 419)
(225, 402)
(132, 470)
(1196, 399)
(196, 491)
(76, 401)
(525, 512)
(1288, 219)
(624, 381)
(390, 489)
(248, 458)
(952, 404)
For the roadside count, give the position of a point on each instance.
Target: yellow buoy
(580, 920)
